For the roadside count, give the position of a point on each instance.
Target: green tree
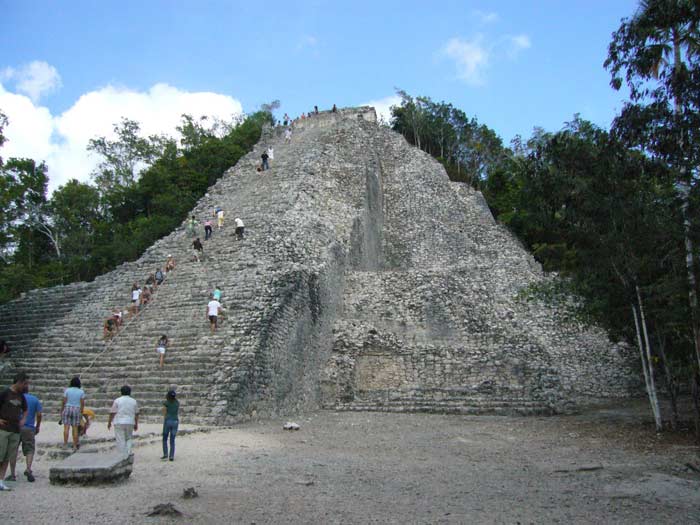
(657, 54)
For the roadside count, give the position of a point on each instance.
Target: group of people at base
(21, 418)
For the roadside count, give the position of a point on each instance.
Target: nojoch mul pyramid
(367, 280)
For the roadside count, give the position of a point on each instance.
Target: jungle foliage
(141, 190)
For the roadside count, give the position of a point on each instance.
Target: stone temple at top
(366, 280)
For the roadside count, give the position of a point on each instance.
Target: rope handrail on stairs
(128, 323)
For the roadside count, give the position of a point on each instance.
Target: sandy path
(391, 468)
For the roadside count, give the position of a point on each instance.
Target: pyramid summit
(366, 280)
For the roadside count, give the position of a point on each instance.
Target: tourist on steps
(192, 226)
(171, 407)
(213, 309)
(169, 264)
(86, 421)
(197, 250)
(265, 163)
(240, 227)
(207, 229)
(288, 135)
(109, 328)
(117, 316)
(271, 153)
(216, 294)
(159, 277)
(219, 214)
(27, 436)
(145, 297)
(161, 346)
(135, 299)
(12, 407)
(125, 416)
(71, 411)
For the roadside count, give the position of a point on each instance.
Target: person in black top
(265, 164)
(13, 407)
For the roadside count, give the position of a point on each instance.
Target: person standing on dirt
(71, 411)
(265, 163)
(171, 407)
(27, 435)
(13, 408)
(125, 415)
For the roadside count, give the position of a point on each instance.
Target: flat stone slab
(90, 468)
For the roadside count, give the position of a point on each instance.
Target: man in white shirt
(125, 415)
(239, 228)
(212, 312)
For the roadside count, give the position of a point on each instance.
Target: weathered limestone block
(92, 469)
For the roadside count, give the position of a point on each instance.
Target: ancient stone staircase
(366, 280)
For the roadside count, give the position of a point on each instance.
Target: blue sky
(69, 69)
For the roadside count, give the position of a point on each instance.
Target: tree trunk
(670, 384)
(646, 368)
(652, 382)
(696, 403)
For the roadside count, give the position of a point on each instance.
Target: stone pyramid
(366, 280)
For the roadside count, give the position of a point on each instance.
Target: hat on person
(172, 393)
(170, 255)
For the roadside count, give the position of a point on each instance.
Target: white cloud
(471, 58)
(308, 42)
(61, 140)
(517, 43)
(34, 79)
(383, 106)
(485, 17)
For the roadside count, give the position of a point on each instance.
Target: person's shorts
(27, 438)
(220, 221)
(71, 416)
(160, 349)
(212, 319)
(9, 441)
(239, 230)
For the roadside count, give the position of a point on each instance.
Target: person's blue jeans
(265, 164)
(169, 430)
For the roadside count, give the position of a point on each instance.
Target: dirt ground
(603, 466)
